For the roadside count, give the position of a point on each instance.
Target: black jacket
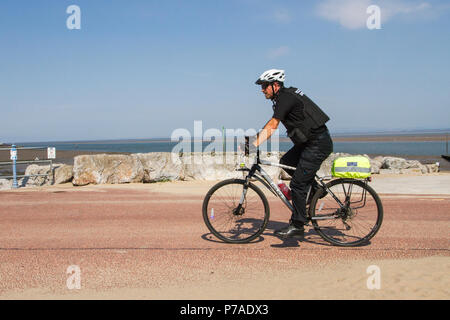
(302, 118)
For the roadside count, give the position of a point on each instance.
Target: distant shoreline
(336, 137)
(389, 138)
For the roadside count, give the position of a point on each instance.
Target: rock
(63, 173)
(432, 168)
(152, 167)
(160, 166)
(327, 164)
(400, 165)
(198, 166)
(109, 169)
(393, 163)
(376, 164)
(220, 166)
(272, 171)
(410, 171)
(34, 169)
(389, 171)
(284, 175)
(5, 184)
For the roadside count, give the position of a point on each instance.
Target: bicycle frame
(259, 174)
(262, 176)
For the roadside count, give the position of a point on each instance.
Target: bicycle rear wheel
(230, 221)
(355, 223)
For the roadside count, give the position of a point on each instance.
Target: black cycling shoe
(290, 231)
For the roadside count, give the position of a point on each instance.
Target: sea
(425, 148)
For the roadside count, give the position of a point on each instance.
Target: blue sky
(141, 69)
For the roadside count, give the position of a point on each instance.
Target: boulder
(410, 171)
(34, 169)
(160, 166)
(389, 171)
(400, 164)
(432, 168)
(218, 166)
(376, 164)
(107, 169)
(272, 171)
(394, 163)
(62, 173)
(5, 184)
(163, 166)
(208, 172)
(209, 166)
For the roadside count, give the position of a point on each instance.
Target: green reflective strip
(351, 169)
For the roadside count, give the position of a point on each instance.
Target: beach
(149, 241)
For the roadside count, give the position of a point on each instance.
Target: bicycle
(237, 211)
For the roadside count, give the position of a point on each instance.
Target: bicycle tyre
(236, 231)
(337, 235)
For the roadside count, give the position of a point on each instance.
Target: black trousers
(307, 158)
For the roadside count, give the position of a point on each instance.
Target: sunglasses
(265, 85)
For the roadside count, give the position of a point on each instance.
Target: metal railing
(14, 162)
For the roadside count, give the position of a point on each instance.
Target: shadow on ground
(310, 236)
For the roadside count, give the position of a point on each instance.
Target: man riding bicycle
(305, 124)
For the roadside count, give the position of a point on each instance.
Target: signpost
(51, 153)
(14, 159)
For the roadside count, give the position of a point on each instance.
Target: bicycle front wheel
(234, 212)
(352, 224)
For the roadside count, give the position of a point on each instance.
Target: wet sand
(382, 137)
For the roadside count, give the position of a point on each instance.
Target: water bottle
(285, 189)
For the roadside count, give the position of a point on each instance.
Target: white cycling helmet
(271, 75)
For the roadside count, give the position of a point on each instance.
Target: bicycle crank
(347, 214)
(347, 226)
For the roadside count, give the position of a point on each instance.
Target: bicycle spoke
(233, 222)
(355, 222)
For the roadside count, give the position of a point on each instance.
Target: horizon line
(336, 133)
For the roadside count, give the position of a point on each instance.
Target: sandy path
(137, 241)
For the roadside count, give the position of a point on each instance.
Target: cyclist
(305, 124)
